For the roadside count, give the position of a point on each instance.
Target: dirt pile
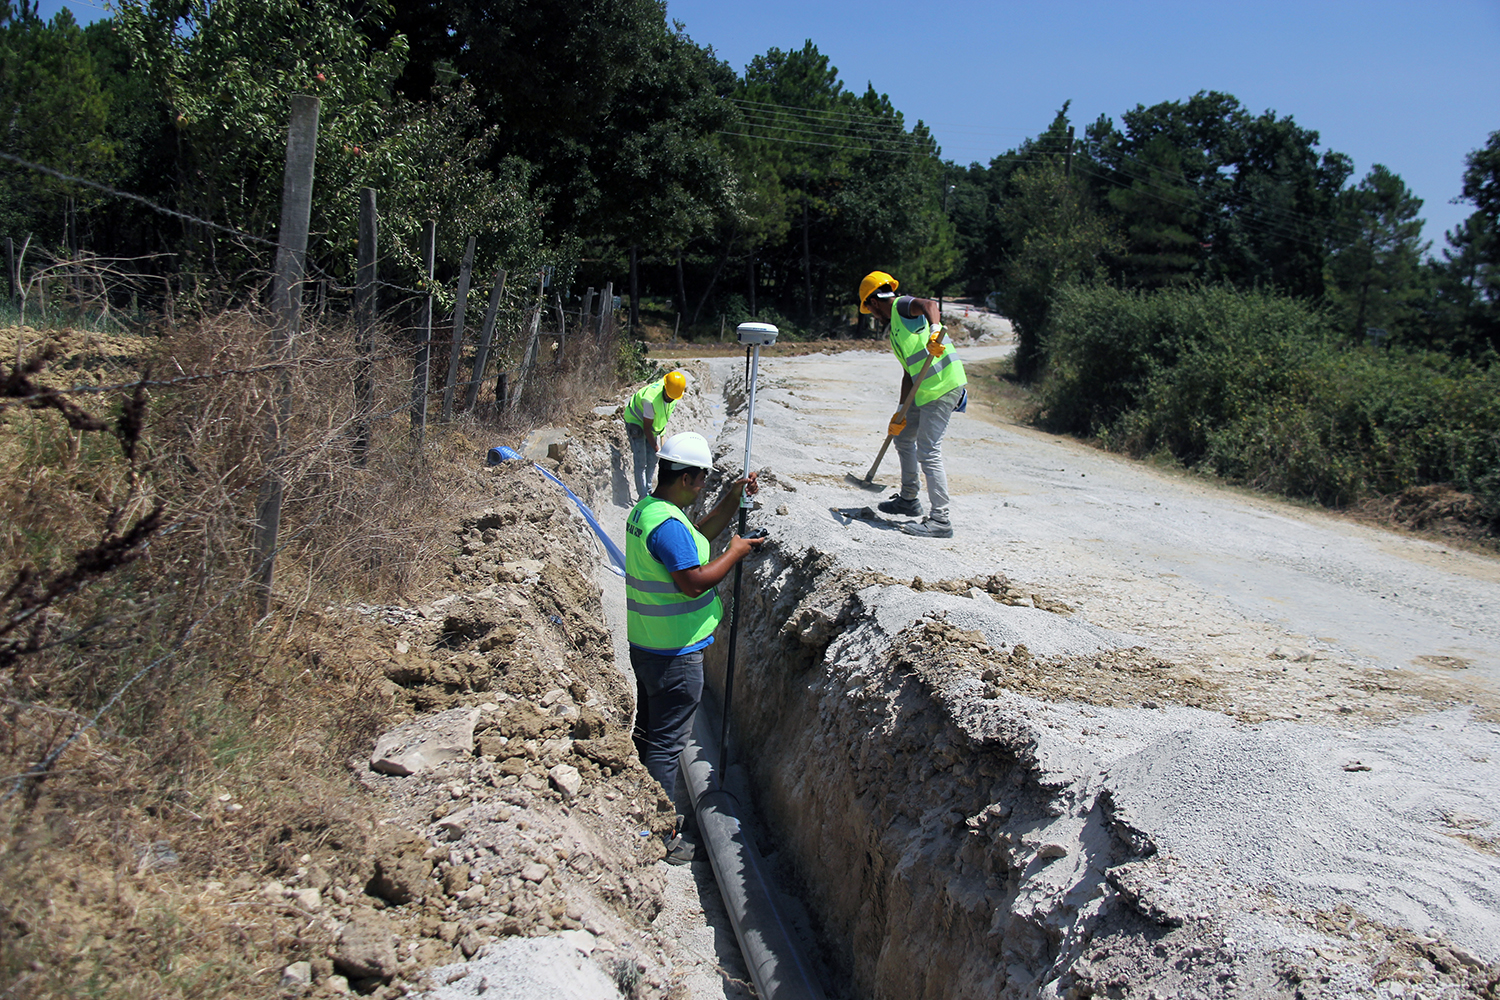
(551, 826)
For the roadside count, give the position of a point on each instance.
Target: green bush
(1255, 387)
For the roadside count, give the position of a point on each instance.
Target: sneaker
(929, 527)
(680, 850)
(898, 504)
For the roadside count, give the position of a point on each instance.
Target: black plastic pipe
(777, 966)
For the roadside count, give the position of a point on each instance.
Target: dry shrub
(201, 703)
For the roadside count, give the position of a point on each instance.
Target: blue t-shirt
(672, 545)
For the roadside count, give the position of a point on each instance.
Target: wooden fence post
(486, 333)
(420, 375)
(606, 311)
(528, 359)
(501, 394)
(583, 314)
(459, 308)
(286, 304)
(364, 324)
(562, 330)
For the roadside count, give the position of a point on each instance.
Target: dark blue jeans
(667, 691)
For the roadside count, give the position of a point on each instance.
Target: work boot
(680, 850)
(898, 504)
(929, 527)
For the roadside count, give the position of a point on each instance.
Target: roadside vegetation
(1259, 389)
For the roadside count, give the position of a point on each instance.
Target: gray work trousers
(643, 457)
(920, 446)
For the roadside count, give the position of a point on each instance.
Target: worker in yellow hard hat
(646, 416)
(918, 341)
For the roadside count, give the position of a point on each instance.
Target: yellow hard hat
(676, 384)
(872, 282)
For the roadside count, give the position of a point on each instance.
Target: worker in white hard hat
(672, 606)
(646, 416)
(918, 341)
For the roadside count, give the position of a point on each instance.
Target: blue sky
(1412, 85)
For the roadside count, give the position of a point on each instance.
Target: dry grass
(220, 735)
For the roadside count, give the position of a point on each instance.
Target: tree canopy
(598, 133)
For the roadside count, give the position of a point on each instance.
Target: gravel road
(1338, 739)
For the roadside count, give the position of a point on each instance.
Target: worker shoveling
(932, 390)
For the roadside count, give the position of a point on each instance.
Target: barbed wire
(116, 192)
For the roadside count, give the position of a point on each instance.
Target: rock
(274, 891)
(470, 943)
(566, 779)
(296, 975)
(336, 984)
(455, 825)
(423, 743)
(534, 872)
(310, 900)
(552, 697)
(582, 940)
(456, 879)
(365, 947)
(532, 782)
(402, 868)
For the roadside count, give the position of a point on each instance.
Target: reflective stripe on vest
(909, 344)
(662, 407)
(657, 614)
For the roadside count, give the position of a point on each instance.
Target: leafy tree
(1056, 239)
(844, 184)
(1374, 271)
(615, 111)
(1466, 317)
(1160, 214)
(1267, 198)
(56, 114)
(227, 69)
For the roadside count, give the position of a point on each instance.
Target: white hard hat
(687, 449)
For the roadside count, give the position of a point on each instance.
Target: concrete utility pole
(286, 304)
(420, 368)
(364, 324)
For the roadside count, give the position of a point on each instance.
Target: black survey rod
(739, 568)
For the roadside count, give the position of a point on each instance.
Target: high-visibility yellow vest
(662, 406)
(657, 614)
(909, 344)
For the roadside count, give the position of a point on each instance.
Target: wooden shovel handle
(901, 414)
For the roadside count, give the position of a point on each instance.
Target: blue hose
(500, 453)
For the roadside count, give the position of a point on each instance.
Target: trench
(936, 854)
(939, 856)
(974, 791)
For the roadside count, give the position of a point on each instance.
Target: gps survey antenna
(753, 336)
